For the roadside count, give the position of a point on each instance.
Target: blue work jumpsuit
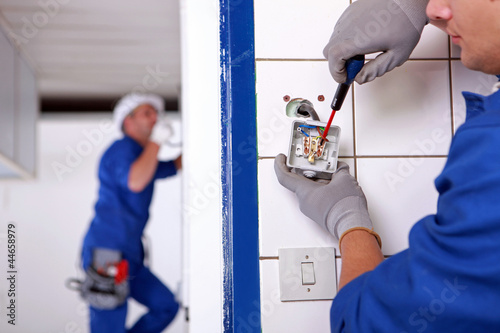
(120, 218)
(448, 280)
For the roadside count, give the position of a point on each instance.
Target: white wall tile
(281, 223)
(455, 51)
(290, 317)
(433, 44)
(297, 79)
(464, 79)
(399, 191)
(401, 111)
(294, 29)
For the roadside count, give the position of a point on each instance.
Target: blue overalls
(120, 218)
(448, 280)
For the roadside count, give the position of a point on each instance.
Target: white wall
(52, 213)
(202, 158)
(396, 132)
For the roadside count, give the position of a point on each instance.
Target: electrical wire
(321, 133)
(325, 133)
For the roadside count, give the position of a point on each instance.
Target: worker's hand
(338, 206)
(162, 132)
(368, 26)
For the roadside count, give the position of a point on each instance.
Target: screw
(286, 98)
(321, 98)
(307, 257)
(308, 289)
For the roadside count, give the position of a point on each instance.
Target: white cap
(130, 102)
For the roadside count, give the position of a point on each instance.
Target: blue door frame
(239, 168)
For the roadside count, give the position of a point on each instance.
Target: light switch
(308, 273)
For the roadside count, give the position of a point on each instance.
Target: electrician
(448, 278)
(112, 249)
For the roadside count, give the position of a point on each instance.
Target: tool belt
(106, 286)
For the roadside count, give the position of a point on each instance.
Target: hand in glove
(338, 206)
(162, 132)
(368, 26)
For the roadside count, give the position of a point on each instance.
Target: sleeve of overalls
(117, 163)
(446, 281)
(165, 169)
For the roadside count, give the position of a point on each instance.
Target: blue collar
(477, 104)
(134, 143)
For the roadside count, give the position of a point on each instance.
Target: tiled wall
(396, 132)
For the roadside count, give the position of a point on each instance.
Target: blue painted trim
(239, 168)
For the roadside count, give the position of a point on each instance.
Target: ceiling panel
(91, 48)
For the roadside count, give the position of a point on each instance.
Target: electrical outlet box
(308, 153)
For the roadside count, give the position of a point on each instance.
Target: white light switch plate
(325, 274)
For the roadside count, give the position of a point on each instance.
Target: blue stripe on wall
(239, 168)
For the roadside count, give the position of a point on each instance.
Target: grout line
(373, 156)
(324, 60)
(385, 256)
(309, 300)
(337, 256)
(288, 59)
(400, 156)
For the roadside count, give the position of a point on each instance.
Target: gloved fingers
(287, 178)
(344, 182)
(337, 53)
(165, 125)
(342, 166)
(383, 63)
(161, 132)
(336, 66)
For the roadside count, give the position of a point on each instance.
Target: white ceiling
(98, 48)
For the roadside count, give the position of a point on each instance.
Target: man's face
(474, 25)
(142, 119)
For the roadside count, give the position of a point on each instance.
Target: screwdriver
(353, 66)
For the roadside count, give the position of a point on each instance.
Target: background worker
(447, 280)
(112, 246)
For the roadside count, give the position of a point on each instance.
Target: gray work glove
(368, 26)
(162, 131)
(338, 206)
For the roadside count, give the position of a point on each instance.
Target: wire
(321, 133)
(325, 133)
(303, 132)
(311, 126)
